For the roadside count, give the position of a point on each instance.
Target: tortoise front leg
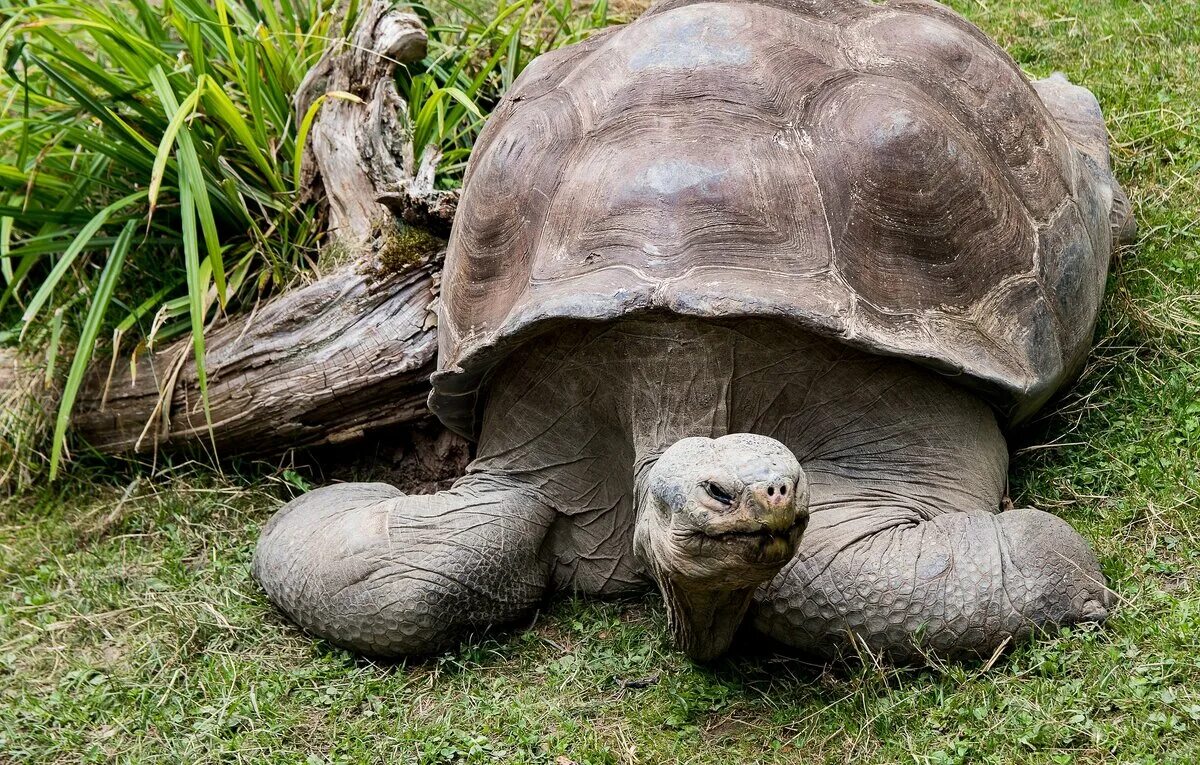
(368, 568)
(959, 583)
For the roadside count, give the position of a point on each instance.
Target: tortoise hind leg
(371, 569)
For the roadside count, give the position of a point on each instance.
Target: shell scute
(977, 85)
(925, 218)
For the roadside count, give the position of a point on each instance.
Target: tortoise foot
(370, 569)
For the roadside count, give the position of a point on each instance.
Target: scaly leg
(368, 568)
(955, 584)
(1078, 113)
(905, 549)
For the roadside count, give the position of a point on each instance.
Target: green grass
(131, 631)
(476, 50)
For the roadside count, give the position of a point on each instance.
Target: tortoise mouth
(763, 544)
(760, 532)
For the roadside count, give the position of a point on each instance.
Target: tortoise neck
(680, 370)
(703, 621)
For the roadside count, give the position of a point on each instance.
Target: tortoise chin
(716, 519)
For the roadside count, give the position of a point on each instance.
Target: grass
(476, 50)
(130, 630)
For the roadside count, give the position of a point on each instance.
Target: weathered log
(359, 156)
(323, 364)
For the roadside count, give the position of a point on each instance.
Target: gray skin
(692, 454)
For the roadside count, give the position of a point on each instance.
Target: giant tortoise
(740, 300)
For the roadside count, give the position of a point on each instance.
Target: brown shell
(879, 173)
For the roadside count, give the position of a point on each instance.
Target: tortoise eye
(718, 492)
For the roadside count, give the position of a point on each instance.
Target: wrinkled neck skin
(703, 621)
(689, 398)
(624, 394)
(684, 391)
(704, 610)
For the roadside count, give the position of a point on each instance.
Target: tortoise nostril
(770, 491)
(783, 490)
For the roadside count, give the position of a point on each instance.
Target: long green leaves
(192, 188)
(87, 340)
(46, 289)
(174, 118)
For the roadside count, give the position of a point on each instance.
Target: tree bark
(359, 156)
(323, 364)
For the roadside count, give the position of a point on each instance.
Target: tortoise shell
(879, 173)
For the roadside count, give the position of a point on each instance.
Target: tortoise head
(716, 518)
